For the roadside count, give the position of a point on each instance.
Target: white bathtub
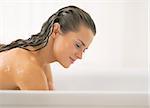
(84, 91)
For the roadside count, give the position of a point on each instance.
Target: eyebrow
(82, 43)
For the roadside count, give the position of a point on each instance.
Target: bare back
(18, 65)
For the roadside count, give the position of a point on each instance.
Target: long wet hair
(69, 18)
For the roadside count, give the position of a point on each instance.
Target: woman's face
(69, 47)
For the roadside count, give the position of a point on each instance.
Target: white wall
(149, 49)
(121, 39)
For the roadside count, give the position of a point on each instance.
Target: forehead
(84, 34)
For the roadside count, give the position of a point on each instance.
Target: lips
(72, 60)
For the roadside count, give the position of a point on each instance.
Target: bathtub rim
(73, 98)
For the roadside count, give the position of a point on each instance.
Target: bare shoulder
(24, 70)
(15, 58)
(28, 74)
(31, 77)
(15, 53)
(19, 52)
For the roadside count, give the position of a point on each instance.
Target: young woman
(25, 64)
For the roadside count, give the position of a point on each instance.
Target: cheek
(57, 47)
(63, 49)
(68, 49)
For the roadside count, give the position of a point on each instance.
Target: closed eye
(78, 46)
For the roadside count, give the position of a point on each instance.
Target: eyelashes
(78, 46)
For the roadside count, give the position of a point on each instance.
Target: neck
(45, 55)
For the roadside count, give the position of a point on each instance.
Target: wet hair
(69, 18)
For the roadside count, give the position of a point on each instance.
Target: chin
(65, 65)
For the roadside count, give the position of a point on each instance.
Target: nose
(79, 54)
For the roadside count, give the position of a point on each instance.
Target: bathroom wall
(149, 49)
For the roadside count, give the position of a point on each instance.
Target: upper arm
(48, 73)
(31, 77)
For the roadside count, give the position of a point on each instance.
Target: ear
(56, 30)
